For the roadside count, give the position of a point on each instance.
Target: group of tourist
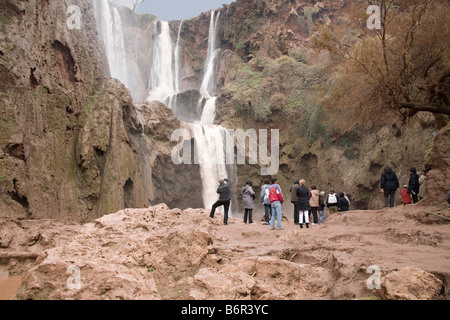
(306, 202)
(309, 203)
(411, 193)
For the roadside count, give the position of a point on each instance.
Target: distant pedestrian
(294, 199)
(332, 202)
(448, 197)
(422, 185)
(343, 203)
(389, 185)
(406, 198)
(224, 191)
(322, 207)
(248, 196)
(414, 185)
(266, 201)
(314, 203)
(276, 200)
(303, 204)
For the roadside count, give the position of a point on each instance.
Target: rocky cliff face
(271, 80)
(72, 143)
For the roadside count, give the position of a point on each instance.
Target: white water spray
(109, 26)
(162, 85)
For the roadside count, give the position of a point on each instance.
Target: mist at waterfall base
(213, 142)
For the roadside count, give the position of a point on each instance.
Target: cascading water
(162, 84)
(213, 142)
(109, 26)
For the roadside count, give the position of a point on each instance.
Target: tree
(402, 68)
(136, 3)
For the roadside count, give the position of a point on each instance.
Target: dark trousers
(415, 198)
(226, 205)
(248, 214)
(296, 214)
(267, 211)
(314, 214)
(389, 198)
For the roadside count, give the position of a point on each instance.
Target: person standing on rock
(314, 203)
(389, 185)
(266, 201)
(322, 207)
(343, 203)
(423, 185)
(332, 200)
(406, 198)
(224, 191)
(294, 199)
(414, 185)
(248, 196)
(276, 200)
(303, 204)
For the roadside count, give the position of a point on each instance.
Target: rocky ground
(159, 253)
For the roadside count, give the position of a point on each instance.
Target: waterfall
(162, 85)
(213, 142)
(109, 26)
(177, 59)
(208, 78)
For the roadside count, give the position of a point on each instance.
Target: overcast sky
(168, 10)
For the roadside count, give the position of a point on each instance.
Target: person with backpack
(414, 185)
(343, 203)
(389, 185)
(276, 200)
(294, 199)
(322, 207)
(224, 191)
(266, 201)
(332, 202)
(303, 204)
(314, 203)
(248, 196)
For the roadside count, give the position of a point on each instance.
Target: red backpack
(275, 195)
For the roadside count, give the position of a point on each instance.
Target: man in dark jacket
(389, 184)
(224, 199)
(343, 204)
(414, 185)
(294, 199)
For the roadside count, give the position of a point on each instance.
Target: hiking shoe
(266, 224)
